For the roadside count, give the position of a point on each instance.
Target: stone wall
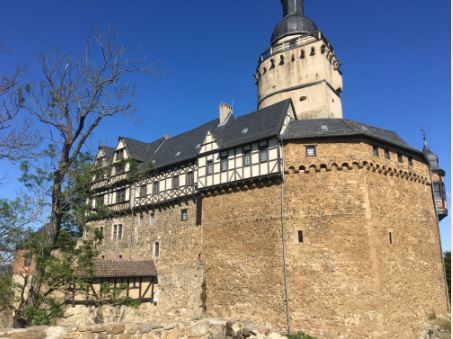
(202, 329)
(243, 256)
(180, 271)
(369, 264)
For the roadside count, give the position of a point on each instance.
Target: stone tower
(301, 65)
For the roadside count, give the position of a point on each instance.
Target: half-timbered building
(289, 214)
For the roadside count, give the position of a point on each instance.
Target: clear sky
(395, 55)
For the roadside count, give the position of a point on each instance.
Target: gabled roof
(252, 127)
(319, 128)
(122, 269)
(108, 151)
(186, 146)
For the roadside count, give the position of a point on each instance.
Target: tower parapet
(301, 65)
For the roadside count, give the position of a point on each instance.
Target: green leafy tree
(70, 262)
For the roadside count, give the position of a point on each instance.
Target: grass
(299, 335)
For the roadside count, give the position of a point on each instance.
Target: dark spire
(293, 7)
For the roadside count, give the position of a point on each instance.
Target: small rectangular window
(143, 191)
(310, 151)
(199, 211)
(410, 162)
(210, 167)
(224, 162)
(117, 232)
(120, 196)
(152, 218)
(391, 238)
(300, 236)
(175, 182)
(99, 201)
(141, 220)
(375, 151)
(119, 169)
(120, 154)
(184, 215)
(400, 158)
(387, 154)
(247, 158)
(189, 179)
(437, 191)
(264, 153)
(156, 187)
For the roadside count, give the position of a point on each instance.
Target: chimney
(225, 111)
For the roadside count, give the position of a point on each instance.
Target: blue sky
(395, 55)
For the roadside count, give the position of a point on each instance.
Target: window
(141, 220)
(224, 162)
(117, 232)
(189, 179)
(99, 201)
(199, 211)
(247, 157)
(410, 162)
(156, 187)
(175, 182)
(184, 215)
(390, 238)
(302, 54)
(210, 167)
(437, 191)
(152, 218)
(387, 154)
(264, 153)
(375, 151)
(312, 52)
(400, 158)
(119, 169)
(310, 151)
(143, 191)
(156, 250)
(120, 155)
(300, 236)
(120, 196)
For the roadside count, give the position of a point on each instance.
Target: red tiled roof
(118, 269)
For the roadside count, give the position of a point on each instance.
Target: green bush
(299, 335)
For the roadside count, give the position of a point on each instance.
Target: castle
(291, 214)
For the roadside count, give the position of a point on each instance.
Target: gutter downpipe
(282, 219)
(438, 235)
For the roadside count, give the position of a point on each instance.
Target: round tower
(301, 65)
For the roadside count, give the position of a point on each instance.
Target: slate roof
(319, 128)
(186, 146)
(109, 151)
(252, 127)
(116, 269)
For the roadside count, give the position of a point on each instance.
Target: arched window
(156, 249)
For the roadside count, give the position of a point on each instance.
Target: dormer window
(119, 155)
(120, 169)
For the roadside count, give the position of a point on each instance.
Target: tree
(75, 95)
(15, 143)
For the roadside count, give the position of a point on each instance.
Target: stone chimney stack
(225, 111)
